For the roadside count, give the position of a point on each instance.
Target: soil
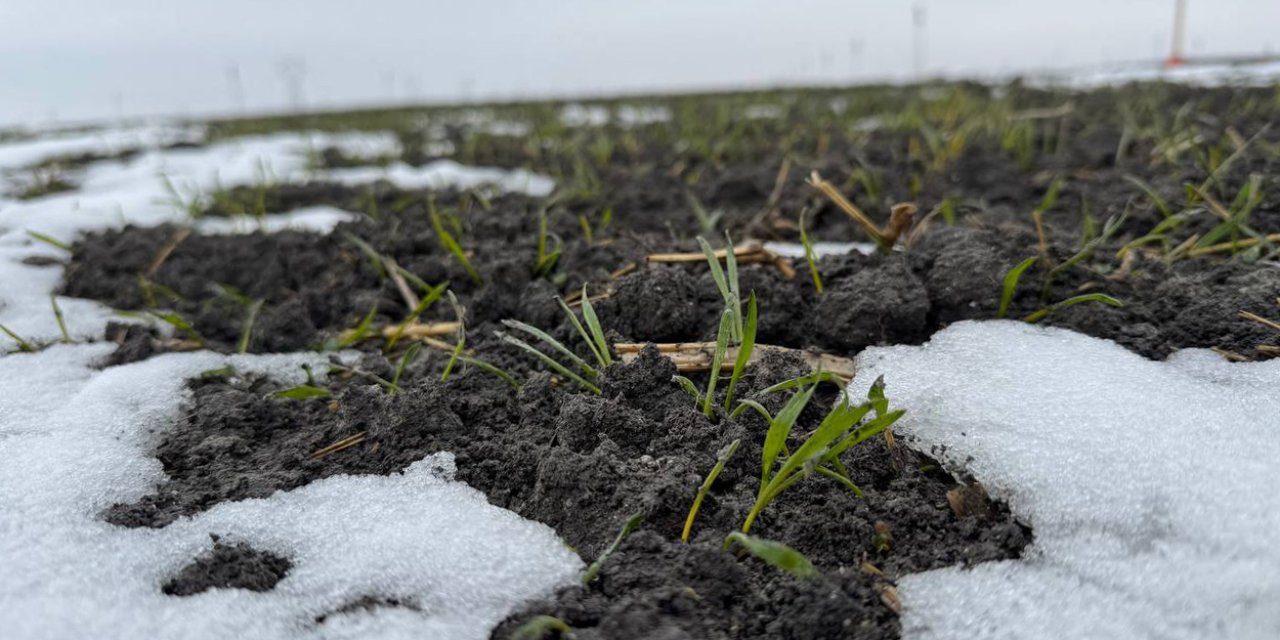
(228, 566)
(583, 463)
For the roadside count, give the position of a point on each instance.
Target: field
(469, 294)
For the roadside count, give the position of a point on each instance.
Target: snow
(446, 173)
(1150, 486)
(820, 249)
(76, 440)
(113, 194)
(1213, 74)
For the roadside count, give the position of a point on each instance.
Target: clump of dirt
(229, 566)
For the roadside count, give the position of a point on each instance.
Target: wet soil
(584, 463)
(228, 566)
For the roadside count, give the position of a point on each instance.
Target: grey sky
(78, 59)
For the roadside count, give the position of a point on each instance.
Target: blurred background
(73, 60)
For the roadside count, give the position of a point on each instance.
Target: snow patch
(1150, 486)
(442, 174)
(820, 249)
(75, 441)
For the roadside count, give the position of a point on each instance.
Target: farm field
(949, 360)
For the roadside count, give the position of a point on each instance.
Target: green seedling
(707, 221)
(548, 360)
(451, 244)
(1086, 251)
(375, 259)
(360, 332)
(409, 355)
(809, 256)
(546, 261)
(726, 280)
(707, 400)
(776, 554)
(1041, 314)
(627, 529)
(593, 332)
(246, 332)
(49, 240)
(1011, 284)
(816, 377)
(302, 392)
(221, 373)
(176, 321)
(432, 295)
(820, 452)
(62, 323)
(541, 627)
(460, 338)
(24, 345)
(721, 460)
(1151, 194)
(744, 352)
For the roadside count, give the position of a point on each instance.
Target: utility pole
(1175, 58)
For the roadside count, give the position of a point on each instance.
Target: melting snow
(75, 440)
(796, 250)
(1150, 486)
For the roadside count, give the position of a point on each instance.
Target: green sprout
(451, 244)
(627, 529)
(809, 256)
(541, 627)
(1011, 284)
(776, 554)
(592, 334)
(820, 452)
(727, 283)
(460, 340)
(24, 345)
(721, 460)
(546, 261)
(49, 240)
(360, 332)
(302, 392)
(409, 355)
(433, 294)
(62, 323)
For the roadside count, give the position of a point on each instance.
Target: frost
(75, 441)
(1150, 486)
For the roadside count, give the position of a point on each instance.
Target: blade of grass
(49, 240)
(23, 344)
(1037, 316)
(251, 316)
(1011, 284)
(554, 344)
(721, 461)
(627, 528)
(549, 361)
(773, 553)
(717, 360)
(744, 351)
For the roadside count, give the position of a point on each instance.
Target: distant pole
(1176, 58)
(918, 19)
(235, 87)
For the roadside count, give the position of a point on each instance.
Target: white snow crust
(1150, 486)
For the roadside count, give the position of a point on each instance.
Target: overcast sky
(82, 59)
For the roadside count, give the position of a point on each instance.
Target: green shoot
(360, 332)
(820, 452)
(545, 261)
(592, 333)
(721, 460)
(717, 360)
(489, 368)
(1152, 195)
(451, 244)
(774, 553)
(1109, 229)
(409, 355)
(706, 220)
(23, 344)
(727, 285)
(1011, 284)
(1051, 195)
(548, 360)
(805, 380)
(178, 322)
(460, 341)
(427, 300)
(251, 316)
(375, 258)
(541, 627)
(57, 315)
(302, 392)
(49, 240)
(809, 255)
(744, 351)
(1088, 297)
(627, 528)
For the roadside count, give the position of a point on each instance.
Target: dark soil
(229, 566)
(584, 463)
